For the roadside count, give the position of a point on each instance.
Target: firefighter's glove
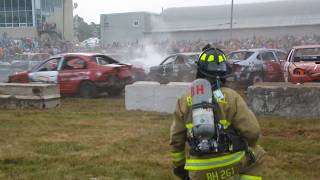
(181, 172)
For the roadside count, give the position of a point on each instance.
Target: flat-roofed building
(267, 19)
(32, 18)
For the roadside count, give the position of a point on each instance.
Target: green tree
(83, 30)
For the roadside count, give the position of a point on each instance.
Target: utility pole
(63, 20)
(231, 20)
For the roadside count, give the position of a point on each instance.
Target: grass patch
(58, 148)
(97, 138)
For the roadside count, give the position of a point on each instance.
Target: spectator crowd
(170, 46)
(9, 47)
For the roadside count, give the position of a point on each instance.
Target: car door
(182, 68)
(271, 67)
(73, 70)
(282, 56)
(167, 67)
(178, 67)
(46, 72)
(286, 66)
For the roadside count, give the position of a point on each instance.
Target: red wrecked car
(303, 64)
(86, 74)
(138, 72)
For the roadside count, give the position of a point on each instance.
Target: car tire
(114, 91)
(164, 81)
(88, 90)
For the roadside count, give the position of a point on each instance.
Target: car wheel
(88, 90)
(164, 81)
(114, 91)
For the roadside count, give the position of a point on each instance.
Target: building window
(135, 23)
(28, 5)
(19, 13)
(22, 5)
(1, 5)
(16, 13)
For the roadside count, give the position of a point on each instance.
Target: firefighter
(243, 158)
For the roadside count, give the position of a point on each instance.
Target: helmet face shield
(213, 67)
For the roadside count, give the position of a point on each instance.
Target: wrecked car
(180, 67)
(257, 65)
(303, 64)
(138, 72)
(85, 74)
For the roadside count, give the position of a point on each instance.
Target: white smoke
(154, 53)
(150, 57)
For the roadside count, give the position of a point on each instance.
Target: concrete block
(151, 96)
(140, 95)
(285, 99)
(29, 96)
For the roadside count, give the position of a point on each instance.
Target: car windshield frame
(109, 60)
(305, 56)
(187, 58)
(36, 68)
(193, 58)
(171, 58)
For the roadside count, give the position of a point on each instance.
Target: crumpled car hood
(312, 69)
(117, 65)
(309, 66)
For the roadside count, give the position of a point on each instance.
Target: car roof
(82, 54)
(257, 50)
(187, 53)
(78, 54)
(307, 46)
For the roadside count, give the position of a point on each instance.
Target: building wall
(118, 28)
(122, 27)
(214, 35)
(68, 20)
(20, 32)
(63, 18)
(212, 22)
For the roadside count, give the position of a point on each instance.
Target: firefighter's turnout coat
(234, 113)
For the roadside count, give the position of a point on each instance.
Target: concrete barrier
(285, 99)
(151, 96)
(26, 96)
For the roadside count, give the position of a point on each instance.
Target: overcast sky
(90, 10)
